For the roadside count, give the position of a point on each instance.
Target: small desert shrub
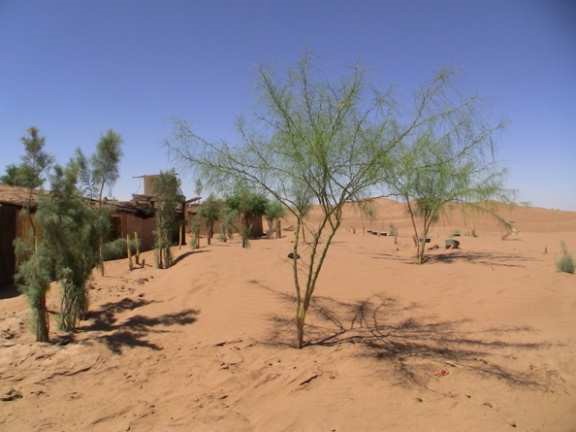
(392, 230)
(565, 263)
(117, 249)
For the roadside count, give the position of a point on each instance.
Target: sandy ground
(481, 339)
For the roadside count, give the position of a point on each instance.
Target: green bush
(116, 249)
(565, 263)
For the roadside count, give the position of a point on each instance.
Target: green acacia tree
(442, 168)
(317, 144)
(168, 199)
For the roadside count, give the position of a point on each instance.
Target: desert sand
(478, 339)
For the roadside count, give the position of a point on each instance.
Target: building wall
(8, 229)
(127, 224)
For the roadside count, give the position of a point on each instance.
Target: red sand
(481, 339)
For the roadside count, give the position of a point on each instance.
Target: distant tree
(248, 205)
(210, 212)
(440, 169)
(228, 217)
(274, 212)
(168, 199)
(31, 172)
(195, 225)
(317, 143)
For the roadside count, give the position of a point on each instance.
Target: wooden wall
(8, 229)
(130, 224)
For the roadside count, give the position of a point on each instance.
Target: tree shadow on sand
(186, 254)
(133, 331)
(376, 327)
(482, 258)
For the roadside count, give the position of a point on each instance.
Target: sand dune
(481, 339)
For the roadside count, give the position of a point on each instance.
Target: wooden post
(129, 252)
(137, 241)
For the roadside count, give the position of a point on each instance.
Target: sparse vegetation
(565, 263)
(274, 213)
(195, 224)
(210, 211)
(96, 173)
(168, 198)
(31, 172)
(117, 249)
(445, 163)
(228, 219)
(249, 206)
(393, 232)
(34, 277)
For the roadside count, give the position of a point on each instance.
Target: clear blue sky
(76, 68)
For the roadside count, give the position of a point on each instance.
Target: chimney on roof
(150, 184)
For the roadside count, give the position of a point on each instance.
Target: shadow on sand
(483, 258)
(133, 331)
(187, 254)
(376, 326)
(9, 291)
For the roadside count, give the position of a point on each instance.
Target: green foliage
(35, 163)
(245, 202)
(117, 249)
(228, 219)
(195, 224)
(33, 278)
(446, 163)
(105, 162)
(247, 205)
(393, 230)
(274, 210)
(100, 170)
(210, 212)
(65, 252)
(69, 238)
(565, 263)
(168, 198)
(316, 143)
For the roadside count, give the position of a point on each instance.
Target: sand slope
(481, 339)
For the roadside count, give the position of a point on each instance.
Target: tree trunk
(278, 228)
(100, 258)
(210, 232)
(300, 320)
(41, 320)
